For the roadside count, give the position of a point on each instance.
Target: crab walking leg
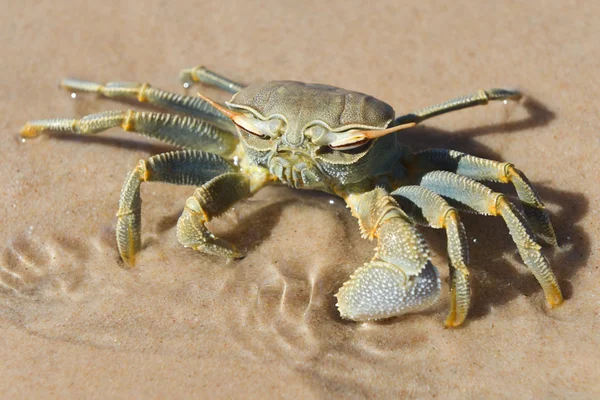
(481, 169)
(201, 74)
(428, 208)
(400, 278)
(483, 200)
(183, 131)
(144, 93)
(481, 97)
(187, 167)
(209, 201)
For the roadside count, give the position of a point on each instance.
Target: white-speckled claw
(381, 290)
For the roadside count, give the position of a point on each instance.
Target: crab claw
(382, 290)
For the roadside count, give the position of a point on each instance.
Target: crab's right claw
(400, 278)
(381, 290)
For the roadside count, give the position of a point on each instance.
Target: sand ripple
(276, 305)
(41, 268)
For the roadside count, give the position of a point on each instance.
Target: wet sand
(75, 323)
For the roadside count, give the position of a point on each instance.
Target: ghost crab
(312, 136)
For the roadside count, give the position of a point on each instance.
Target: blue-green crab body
(312, 136)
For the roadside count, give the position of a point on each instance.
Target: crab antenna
(220, 108)
(372, 134)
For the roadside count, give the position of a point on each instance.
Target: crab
(318, 137)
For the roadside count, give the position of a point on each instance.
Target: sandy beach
(75, 323)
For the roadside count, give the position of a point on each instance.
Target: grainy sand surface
(75, 323)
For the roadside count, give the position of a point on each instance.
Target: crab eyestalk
(237, 118)
(359, 137)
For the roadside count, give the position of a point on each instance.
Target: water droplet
(505, 101)
(331, 202)
(474, 240)
(73, 95)
(186, 85)
(23, 140)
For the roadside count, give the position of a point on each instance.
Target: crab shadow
(247, 232)
(495, 279)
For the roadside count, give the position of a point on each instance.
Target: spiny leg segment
(183, 131)
(478, 198)
(187, 167)
(201, 74)
(481, 169)
(144, 93)
(400, 278)
(481, 97)
(427, 208)
(209, 201)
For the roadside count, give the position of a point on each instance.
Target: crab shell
(303, 107)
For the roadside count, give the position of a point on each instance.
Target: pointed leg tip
(452, 324)
(128, 260)
(188, 75)
(555, 302)
(453, 320)
(28, 131)
(554, 298)
(548, 237)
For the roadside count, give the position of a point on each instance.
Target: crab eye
(277, 126)
(318, 135)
